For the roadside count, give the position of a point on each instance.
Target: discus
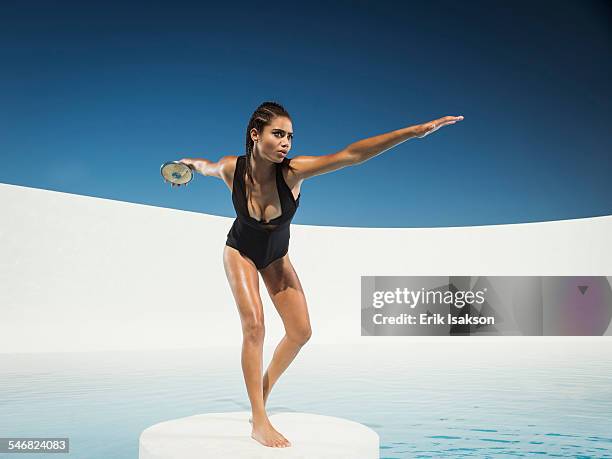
(177, 172)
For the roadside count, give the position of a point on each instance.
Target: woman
(265, 187)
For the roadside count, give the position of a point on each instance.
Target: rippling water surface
(470, 398)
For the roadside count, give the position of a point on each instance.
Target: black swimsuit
(262, 242)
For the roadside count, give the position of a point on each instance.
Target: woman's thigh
(244, 282)
(287, 294)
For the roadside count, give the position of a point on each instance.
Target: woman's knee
(301, 335)
(253, 330)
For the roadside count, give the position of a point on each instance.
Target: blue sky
(96, 96)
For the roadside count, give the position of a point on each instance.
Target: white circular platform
(216, 435)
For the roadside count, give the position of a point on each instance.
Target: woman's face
(274, 142)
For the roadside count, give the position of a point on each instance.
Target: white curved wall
(79, 273)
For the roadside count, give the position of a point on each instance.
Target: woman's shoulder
(228, 168)
(291, 178)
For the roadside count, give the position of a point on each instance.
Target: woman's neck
(262, 170)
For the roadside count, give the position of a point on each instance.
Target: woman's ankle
(260, 418)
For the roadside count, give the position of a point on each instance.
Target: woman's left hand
(432, 126)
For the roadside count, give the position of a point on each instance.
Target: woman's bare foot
(267, 435)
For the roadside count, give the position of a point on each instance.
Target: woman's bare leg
(287, 294)
(252, 362)
(244, 282)
(284, 354)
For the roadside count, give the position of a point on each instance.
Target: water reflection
(504, 398)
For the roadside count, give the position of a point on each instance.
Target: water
(466, 398)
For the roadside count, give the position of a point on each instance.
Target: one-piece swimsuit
(261, 241)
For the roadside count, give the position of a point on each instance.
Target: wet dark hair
(263, 116)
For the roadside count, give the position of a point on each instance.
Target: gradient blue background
(94, 97)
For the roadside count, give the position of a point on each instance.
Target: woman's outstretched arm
(362, 150)
(373, 146)
(207, 167)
